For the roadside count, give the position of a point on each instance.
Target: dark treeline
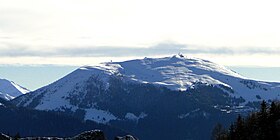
(25, 122)
(261, 125)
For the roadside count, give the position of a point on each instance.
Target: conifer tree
(218, 132)
(17, 136)
(262, 125)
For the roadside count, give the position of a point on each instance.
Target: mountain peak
(10, 90)
(179, 55)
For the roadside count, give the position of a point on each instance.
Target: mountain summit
(154, 94)
(177, 72)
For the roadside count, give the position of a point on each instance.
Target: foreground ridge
(87, 135)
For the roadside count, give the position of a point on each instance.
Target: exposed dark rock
(4, 137)
(41, 138)
(127, 137)
(89, 135)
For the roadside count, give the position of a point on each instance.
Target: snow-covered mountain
(9, 90)
(139, 93)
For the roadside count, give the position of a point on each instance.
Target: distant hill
(9, 90)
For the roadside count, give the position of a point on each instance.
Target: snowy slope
(9, 90)
(178, 72)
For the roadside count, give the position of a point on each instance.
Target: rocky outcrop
(127, 137)
(4, 137)
(41, 138)
(87, 135)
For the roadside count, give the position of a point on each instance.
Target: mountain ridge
(175, 73)
(133, 94)
(181, 72)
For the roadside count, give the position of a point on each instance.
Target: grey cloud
(10, 49)
(93, 51)
(14, 50)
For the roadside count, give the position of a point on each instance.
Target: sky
(73, 33)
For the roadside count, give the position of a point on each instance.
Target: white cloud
(47, 26)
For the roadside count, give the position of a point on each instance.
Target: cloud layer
(15, 50)
(51, 31)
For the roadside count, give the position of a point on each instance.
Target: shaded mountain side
(169, 114)
(28, 122)
(3, 101)
(149, 111)
(6, 104)
(152, 112)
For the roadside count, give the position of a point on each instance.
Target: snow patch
(176, 73)
(19, 88)
(131, 116)
(234, 109)
(6, 96)
(99, 116)
(182, 116)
